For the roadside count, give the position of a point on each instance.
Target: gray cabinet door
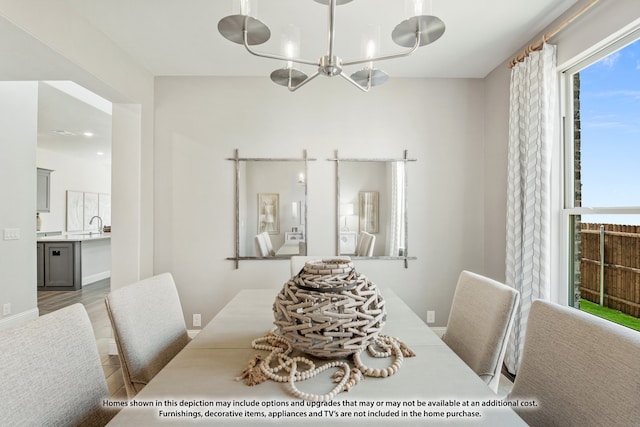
(43, 203)
(59, 263)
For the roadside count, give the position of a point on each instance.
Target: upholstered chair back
(50, 372)
(480, 322)
(579, 369)
(148, 326)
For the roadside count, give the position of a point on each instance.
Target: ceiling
(180, 38)
(73, 121)
(177, 37)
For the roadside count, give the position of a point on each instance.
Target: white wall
(597, 27)
(97, 64)
(200, 121)
(18, 121)
(70, 173)
(48, 34)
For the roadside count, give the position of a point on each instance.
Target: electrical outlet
(197, 320)
(6, 309)
(431, 316)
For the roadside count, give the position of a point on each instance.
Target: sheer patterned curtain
(395, 241)
(531, 127)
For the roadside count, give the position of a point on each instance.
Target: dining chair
(260, 245)
(50, 372)
(479, 324)
(371, 245)
(579, 369)
(148, 326)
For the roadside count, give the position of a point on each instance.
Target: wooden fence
(621, 266)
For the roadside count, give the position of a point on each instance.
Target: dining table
(290, 247)
(201, 384)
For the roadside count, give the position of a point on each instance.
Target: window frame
(568, 209)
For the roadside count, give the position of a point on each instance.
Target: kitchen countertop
(80, 237)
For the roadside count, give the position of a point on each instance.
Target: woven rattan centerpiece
(329, 310)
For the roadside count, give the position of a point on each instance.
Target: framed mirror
(270, 207)
(371, 200)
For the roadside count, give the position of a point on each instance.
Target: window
(602, 181)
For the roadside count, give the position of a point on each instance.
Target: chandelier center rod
(332, 29)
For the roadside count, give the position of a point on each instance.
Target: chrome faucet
(99, 219)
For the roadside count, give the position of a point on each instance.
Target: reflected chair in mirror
(263, 245)
(479, 324)
(268, 244)
(366, 243)
(51, 372)
(580, 370)
(148, 326)
(260, 246)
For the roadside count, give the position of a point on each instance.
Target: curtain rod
(538, 45)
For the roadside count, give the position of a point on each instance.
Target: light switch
(11, 234)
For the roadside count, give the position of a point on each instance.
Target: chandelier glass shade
(412, 33)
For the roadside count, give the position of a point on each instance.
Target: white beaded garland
(381, 341)
(347, 377)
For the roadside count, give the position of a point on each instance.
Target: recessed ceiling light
(63, 132)
(100, 153)
(88, 133)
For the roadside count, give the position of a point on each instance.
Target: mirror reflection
(271, 208)
(372, 208)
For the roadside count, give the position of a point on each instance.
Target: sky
(610, 137)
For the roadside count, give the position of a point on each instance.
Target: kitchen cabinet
(43, 203)
(59, 266)
(40, 265)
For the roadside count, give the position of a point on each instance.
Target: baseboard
(439, 330)
(19, 318)
(113, 348)
(86, 280)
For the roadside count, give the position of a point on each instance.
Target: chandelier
(411, 33)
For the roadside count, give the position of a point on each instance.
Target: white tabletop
(203, 376)
(290, 247)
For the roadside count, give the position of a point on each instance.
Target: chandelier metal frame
(411, 33)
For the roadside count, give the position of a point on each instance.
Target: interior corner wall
(126, 181)
(19, 124)
(496, 117)
(199, 121)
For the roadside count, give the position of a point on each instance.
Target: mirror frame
(404, 159)
(237, 159)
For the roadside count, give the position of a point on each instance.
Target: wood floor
(92, 297)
